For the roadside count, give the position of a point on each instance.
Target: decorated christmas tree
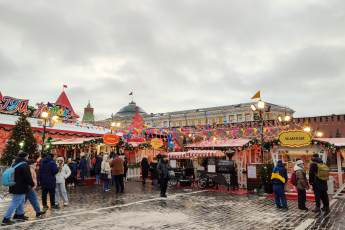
(138, 122)
(21, 138)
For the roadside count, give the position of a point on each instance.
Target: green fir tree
(21, 138)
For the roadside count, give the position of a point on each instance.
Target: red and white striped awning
(195, 154)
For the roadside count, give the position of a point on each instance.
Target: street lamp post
(47, 120)
(260, 107)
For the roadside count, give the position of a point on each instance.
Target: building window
(231, 118)
(314, 119)
(338, 118)
(247, 117)
(165, 124)
(239, 118)
(220, 120)
(326, 119)
(332, 118)
(320, 119)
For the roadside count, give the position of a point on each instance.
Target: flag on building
(131, 93)
(64, 86)
(257, 95)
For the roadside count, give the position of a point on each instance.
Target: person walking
(83, 168)
(72, 179)
(318, 176)
(98, 168)
(31, 195)
(23, 183)
(301, 184)
(145, 167)
(279, 179)
(105, 173)
(48, 170)
(163, 174)
(125, 168)
(61, 176)
(117, 173)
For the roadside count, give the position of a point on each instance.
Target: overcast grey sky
(175, 54)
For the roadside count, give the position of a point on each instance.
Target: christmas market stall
(241, 151)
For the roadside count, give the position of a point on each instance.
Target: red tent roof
(64, 101)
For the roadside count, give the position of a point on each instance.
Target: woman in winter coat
(97, 168)
(145, 167)
(105, 173)
(301, 185)
(61, 176)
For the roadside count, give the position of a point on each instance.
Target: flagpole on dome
(64, 86)
(132, 95)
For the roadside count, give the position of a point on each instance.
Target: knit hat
(22, 154)
(299, 162)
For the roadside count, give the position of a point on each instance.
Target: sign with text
(294, 138)
(156, 143)
(111, 139)
(14, 106)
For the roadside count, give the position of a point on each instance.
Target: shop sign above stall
(294, 138)
(156, 143)
(111, 139)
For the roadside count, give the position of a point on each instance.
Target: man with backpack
(19, 179)
(279, 179)
(318, 176)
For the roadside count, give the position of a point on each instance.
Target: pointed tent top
(64, 101)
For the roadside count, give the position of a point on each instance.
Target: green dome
(130, 110)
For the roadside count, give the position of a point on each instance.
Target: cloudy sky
(175, 54)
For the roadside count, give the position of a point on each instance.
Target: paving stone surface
(141, 208)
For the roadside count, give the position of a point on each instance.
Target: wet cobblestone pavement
(141, 208)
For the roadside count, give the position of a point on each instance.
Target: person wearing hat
(279, 179)
(319, 185)
(61, 176)
(48, 170)
(163, 174)
(301, 185)
(23, 183)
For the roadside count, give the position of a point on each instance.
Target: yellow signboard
(294, 138)
(156, 143)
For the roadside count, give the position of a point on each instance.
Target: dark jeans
(163, 185)
(302, 197)
(45, 192)
(321, 195)
(118, 181)
(279, 195)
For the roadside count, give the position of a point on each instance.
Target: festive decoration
(111, 139)
(156, 143)
(137, 123)
(21, 138)
(15, 106)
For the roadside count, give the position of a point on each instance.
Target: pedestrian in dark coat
(83, 167)
(320, 187)
(302, 184)
(72, 179)
(163, 173)
(23, 184)
(125, 168)
(145, 167)
(279, 179)
(97, 168)
(48, 170)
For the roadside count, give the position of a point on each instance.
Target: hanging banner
(156, 143)
(295, 138)
(111, 139)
